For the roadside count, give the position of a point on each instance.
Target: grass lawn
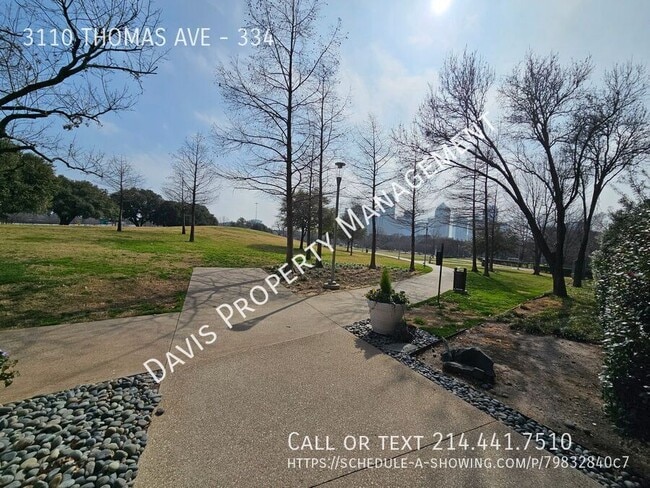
(55, 274)
(501, 291)
(574, 317)
(486, 297)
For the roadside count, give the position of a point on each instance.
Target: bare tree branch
(83, 68)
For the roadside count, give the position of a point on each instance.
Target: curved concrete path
(288, 367)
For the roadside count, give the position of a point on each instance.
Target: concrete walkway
(288, 367)
(62, 356)
(58, 357)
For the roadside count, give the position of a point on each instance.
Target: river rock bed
(505, 414)
(419, 338)
(87, 436)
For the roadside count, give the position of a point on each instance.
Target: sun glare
(439, 7)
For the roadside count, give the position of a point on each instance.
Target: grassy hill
(56, 274)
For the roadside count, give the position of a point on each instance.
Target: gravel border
(419, 338)
(88, 436)
(493, 407)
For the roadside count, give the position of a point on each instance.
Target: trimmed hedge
(622, 268)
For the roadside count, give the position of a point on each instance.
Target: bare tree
(176, 190)
(410, 153)
(474, 205)
(269, 97)
(539, 97)
(464, 190)
(541, 206)
(69, 60)
(328, 113)
(486, 218)
(372, 168)
(639, 184)
(119, 175)
(193, 163)
(611, 135)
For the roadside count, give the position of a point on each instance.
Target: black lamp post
(332, 284)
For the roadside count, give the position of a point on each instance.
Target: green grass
(574, 318)
(486, 297)
(495, 296)
(492, 295)
(55, 274)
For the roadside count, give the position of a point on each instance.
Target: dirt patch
(552, 380)
(349, 276)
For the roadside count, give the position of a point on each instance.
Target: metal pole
(332, 284)
(336, 214)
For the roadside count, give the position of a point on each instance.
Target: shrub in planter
(386, 305)
(622, 272)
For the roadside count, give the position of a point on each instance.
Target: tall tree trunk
(120, 213)
(559, 284)
(486, 229)
(587, 217)
(522, 249)
(474, 243)
(289, 162)
(373, 244)
(193, 208)
(581, 261)
(537, 260)
(319, 263)
(183, 232)
(493, 232)
(557, 268)
(309, 207)
(413, 196)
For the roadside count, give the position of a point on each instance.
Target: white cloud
(395, 94)
(209, 118)
(108, 127)
(154, 166)
(201, 61)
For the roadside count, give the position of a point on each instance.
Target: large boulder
(467, 371)
(473, 358)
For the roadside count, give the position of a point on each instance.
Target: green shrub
(385, 293)
(622, 269)
(384, 283)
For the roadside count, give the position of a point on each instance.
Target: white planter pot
(385, 317)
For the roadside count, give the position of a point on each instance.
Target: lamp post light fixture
(332, 284)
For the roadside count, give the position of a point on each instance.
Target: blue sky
(392, 52)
